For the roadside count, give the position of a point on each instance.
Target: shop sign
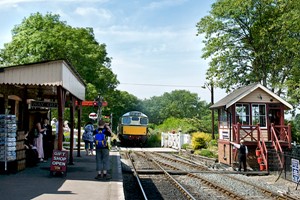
(59, 161)
(43, 104)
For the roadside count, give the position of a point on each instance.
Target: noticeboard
(295, 170)
(59, 161)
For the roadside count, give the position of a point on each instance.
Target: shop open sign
(59, 161)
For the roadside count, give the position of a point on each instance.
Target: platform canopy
(44, 83)
(43, 77)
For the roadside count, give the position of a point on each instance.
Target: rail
(137, 176)
(181, 188)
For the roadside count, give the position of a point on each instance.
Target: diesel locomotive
(133, 128)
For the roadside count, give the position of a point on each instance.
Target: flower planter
(259, 160)
(257, 152)
(262, 167)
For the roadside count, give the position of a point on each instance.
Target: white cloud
(89, 12)
(2, 2)
(14, 3)
(164, 3)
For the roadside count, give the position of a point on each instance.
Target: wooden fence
(175, 140)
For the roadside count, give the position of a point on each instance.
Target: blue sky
(151, 42)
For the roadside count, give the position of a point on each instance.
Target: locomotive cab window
(144, 121)
(135, 118)
(126, 120)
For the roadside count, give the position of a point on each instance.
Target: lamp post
(210, 86)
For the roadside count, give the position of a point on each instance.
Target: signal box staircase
(269, 153)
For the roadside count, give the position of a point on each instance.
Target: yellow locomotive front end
(133, 128)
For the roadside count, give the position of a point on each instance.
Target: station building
(36, 88)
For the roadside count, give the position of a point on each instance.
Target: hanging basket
(257, 152)
(262, 167)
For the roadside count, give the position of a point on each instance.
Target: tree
(43, 38)
(119, 103)
(177, 104)
(253, 41)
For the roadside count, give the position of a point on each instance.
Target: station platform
(79, 182)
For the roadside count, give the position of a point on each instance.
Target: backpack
(100, 140)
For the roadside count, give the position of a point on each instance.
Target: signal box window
(259, 114)
(223, 118)
(242, 114)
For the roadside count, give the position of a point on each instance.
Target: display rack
(8, 141)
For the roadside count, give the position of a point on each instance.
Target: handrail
(248, 129)
(276, 145)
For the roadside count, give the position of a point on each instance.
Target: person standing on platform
(39, 139)
(102, 150)
(48, 142)
(243, 152)
(88, 138)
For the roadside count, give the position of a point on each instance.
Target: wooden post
(79, 111)
(290, 135)
(61, 108)
(72, 108)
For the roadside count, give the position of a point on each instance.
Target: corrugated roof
(50, 73)
(241, 92)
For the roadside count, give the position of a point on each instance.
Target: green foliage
(206, 153)
(175, 124)
(295, 124)
(44, 37)
(186, 125)
(253, 41)
(185, 146)
(154, 140)
(214, 142)
(200, 140)
(119, 103)
(177, 104)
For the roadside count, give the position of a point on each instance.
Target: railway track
(208, 191)
(266, 192)
(192, 179)
(145, 188)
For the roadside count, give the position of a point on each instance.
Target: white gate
(174, 140)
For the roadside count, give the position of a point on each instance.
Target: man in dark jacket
(243, 152)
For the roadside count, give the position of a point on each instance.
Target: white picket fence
(175, 140)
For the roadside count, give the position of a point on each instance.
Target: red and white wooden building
(256, 115)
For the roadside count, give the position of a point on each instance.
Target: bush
(206, 153)
(154, 140)
(185, 146)
(200, 140)
(213, 143)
